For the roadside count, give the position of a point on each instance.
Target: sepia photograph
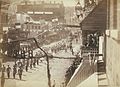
(59, 43)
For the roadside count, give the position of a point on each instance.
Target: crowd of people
(62, 45)
(68, 45)
(19, 67)
(72, 68)
(92, 40)
(23, 65)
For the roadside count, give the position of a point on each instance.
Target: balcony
(86, 68)
(94, 21)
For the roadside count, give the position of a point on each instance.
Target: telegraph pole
(48, 67)
(47, 58)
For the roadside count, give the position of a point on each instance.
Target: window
(27, 26)
(36, 27)
(32, 26)
(39, 27)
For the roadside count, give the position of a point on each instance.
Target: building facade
(93, 28)
(4, 4)
(109, 11)
(42, 10)
(113, 43)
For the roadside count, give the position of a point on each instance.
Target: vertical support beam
(48, 67)
(0, 32)
(0, 20)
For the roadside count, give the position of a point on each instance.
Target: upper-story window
(27, 26)
(36, 27)
(39, 27)
(32, 26)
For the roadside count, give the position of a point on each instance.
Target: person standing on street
(23, 63)
(27, 65)
(14, 71)
(37, 61)
(20, 72)
(3, 69)
(54, 84)
(15, 65)
(8, 71)
(0, 65)
(71, 46)
(31, 63)
(19, 63)
(34, 63)
(27, 62)
(26, 68)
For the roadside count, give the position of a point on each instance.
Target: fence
(85, 69)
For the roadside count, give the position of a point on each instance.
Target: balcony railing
(86, 68)
(86, 50)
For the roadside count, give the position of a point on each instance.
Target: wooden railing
(89, 50)
(85, 69)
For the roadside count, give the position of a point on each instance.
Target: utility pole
(48, 67)
(46, 55)
(47, 58)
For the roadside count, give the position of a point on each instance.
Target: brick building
(42, 10)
